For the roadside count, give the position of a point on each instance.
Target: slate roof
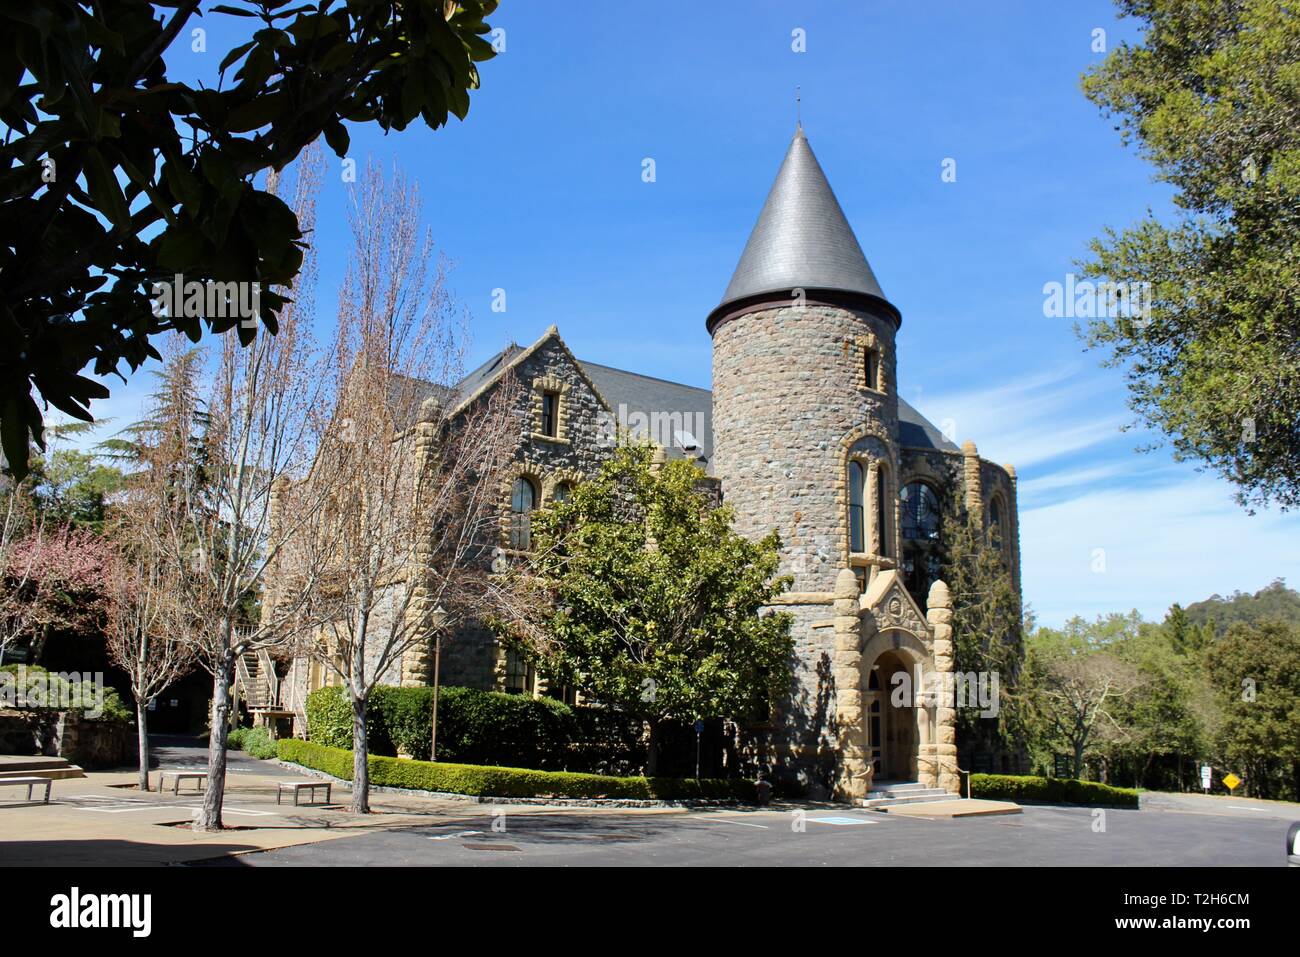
(673, 413)
(802, 238)
(915, 431)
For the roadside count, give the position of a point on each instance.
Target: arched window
(920, 569)
(857, 536)
(995, 524)
(523, 499)
(562, 492)
(921, 513)
(920, 507)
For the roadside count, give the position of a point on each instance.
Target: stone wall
(788, 392)
(790, 403)
(67, 734)
(471, 657)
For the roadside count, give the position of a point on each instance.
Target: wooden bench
(178, 776)
(31, 783)
(297, 787)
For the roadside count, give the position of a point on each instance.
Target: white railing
(272, 681)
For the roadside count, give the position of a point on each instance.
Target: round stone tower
(804, 374)
(805, 421)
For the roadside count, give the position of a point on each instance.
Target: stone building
(805, 432)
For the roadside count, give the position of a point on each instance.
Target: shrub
(329, 720)
(1010, 787)
(481, 727)
(53, 686)
(490, 781)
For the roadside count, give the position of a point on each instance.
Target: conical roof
(802, 238)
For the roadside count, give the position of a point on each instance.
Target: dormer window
(550, 414)
(548, 409)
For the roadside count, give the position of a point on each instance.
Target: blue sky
(540, 193)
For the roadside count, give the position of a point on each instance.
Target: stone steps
(37, 766)
(891, 794)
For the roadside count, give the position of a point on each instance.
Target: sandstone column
(417, 662)
(945, 774)
(971, 478)
(847, 671)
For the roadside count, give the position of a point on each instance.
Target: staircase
(38, 766)
(887, 794)
(252, 682)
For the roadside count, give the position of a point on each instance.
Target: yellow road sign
(1231, 780)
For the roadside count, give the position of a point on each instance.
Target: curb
(534, 802)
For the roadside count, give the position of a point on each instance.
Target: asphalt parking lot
(1041, 836)
(103, 820)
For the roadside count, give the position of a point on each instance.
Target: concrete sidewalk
(102, 820)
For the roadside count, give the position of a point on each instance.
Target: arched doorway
(891, 718)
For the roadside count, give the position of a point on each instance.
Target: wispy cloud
(1048, 414)
(1145, 548)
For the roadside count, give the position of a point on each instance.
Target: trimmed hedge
(482, 727)
(1010, 787)
(488, 781)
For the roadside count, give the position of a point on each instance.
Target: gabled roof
(802, 238)
(675, 413)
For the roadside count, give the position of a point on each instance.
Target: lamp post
(439, 618)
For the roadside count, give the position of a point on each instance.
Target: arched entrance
(891, 717)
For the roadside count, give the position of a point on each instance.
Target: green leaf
(336, 135)
(104, 188)
(235, 54)
(262, 110)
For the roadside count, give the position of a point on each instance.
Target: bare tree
(1072, 695)
(18, 562)
(222, 529)
(149, 632)
(414, 470)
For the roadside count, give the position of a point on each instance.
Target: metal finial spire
(798, 110)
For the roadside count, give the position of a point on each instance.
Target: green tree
(1211, 96)
(653, 601)
(987, 624)
(1165, 723)
(1274, 601)
(115, 176)
(74, 488)
(1074, 688)
(1255, 673)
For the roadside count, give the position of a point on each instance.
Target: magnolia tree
(651, 602)
(264, 411)
(410, 471)
(149, 633)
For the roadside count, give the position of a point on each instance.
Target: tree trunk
(210, 816)
(142, 724)
(1078, 761)
(652, 750)
(360, 752)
